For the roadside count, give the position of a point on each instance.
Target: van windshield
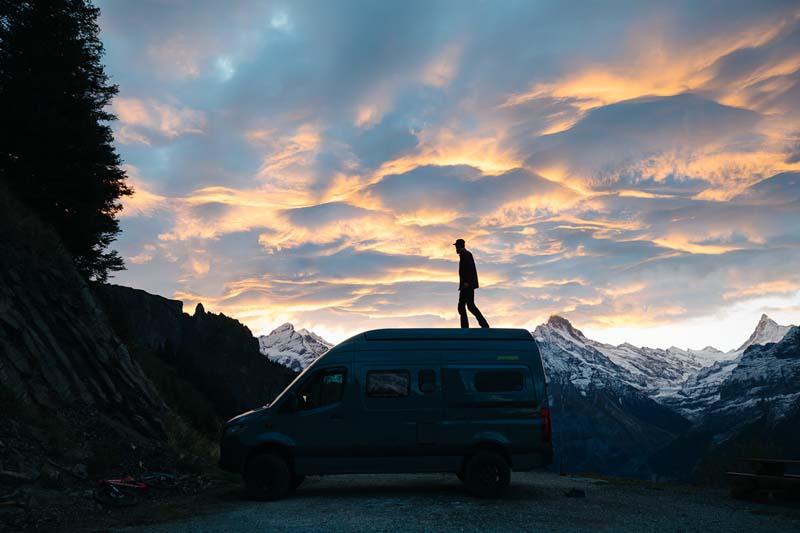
(295, 380)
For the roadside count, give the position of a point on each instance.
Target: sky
(631, 166)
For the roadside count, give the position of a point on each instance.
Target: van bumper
(232, 453)
(528, 461)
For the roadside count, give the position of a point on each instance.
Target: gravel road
(536, 501)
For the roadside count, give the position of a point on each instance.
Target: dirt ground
(536, 501)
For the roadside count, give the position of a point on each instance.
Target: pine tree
(56, 145)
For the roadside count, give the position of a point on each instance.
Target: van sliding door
(402, 408)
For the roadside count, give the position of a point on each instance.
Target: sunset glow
(313, 163)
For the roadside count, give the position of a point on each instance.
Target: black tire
(744, 489)
(297, 481)
(487, 474)
(267, 477)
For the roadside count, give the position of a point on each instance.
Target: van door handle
(335, 418)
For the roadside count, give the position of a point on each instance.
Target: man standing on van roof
(467, 283)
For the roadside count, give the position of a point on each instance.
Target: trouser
(466, 300)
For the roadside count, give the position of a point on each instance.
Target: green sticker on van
(508, 358)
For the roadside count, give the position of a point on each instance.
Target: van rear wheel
(487, 474)
(267, 477)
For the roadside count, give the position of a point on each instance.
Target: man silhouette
(467, 283)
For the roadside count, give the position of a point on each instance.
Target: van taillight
(547, 424)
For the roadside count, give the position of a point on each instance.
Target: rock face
(295, 349)
(215, 353)
(57, 348)
(144, 320)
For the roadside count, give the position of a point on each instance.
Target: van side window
(427, 381)
(388, 383)
(499, 381)
(326, 387)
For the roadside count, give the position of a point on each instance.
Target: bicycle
(127, 491)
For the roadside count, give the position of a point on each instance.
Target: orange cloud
(139, 118)
(446, 147)
(762, 289)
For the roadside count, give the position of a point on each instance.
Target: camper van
(468, 401)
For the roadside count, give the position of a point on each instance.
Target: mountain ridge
(616, 407)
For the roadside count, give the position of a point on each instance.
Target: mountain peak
(767, 330)
(294, 348)
(286, 326)
(560, 323)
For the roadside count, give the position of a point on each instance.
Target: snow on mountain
(767, 330)
(767, 376)
(599, 396)
(694, 396)
(568, 352)
(295, 349)
(754, 406)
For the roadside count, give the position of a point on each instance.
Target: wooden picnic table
(764, 475)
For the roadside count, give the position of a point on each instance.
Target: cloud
(313, 162)
(780, 189)
(140, 120)
(435, 194)
(645, 137)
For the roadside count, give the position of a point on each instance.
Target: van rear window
(388, 383)
(499, 381)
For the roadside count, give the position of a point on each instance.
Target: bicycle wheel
(114, 497)
(159, 480)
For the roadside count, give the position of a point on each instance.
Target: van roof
(476, 334)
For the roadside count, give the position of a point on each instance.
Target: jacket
(467, 273)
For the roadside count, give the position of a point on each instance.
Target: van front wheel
(487, 474)
(267, 477)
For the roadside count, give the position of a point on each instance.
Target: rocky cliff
(58, 352)
(218, 355)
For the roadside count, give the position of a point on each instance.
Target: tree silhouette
(56, 145)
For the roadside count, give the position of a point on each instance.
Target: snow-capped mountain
(765, 373)
(767, 330)
(686, 380)
(614, 407)
(603, 415)
(295, 349)
(568, 352)
(754, 409)
(699, 391)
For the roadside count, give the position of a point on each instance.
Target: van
(468, 401)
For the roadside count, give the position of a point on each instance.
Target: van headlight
(233, 430)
